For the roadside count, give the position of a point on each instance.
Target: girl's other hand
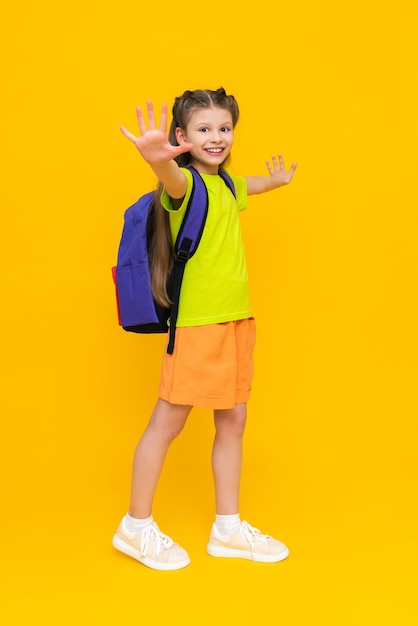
(153, 143)
(278, 171)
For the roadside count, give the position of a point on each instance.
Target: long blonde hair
(160, 250)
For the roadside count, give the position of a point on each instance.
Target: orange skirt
(211, 367)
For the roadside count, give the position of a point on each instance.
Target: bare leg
(227, 457)
(166, 422)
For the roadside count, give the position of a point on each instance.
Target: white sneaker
(246, 542)
(151, 547)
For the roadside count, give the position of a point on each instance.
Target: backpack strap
(188, 239)
(186, 244)
(228, 182)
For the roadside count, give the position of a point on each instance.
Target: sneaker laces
(252, 534)
(153, 533)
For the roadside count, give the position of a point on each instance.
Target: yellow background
(330, 452)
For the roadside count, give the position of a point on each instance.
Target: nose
(216, 136)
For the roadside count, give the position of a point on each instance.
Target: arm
(158, 152)
(278, 177)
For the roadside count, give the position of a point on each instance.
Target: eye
(204, 129)
(225, 129)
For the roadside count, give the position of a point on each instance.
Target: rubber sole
(230, 553)
(130, 551)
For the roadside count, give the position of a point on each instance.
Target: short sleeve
(166, 200)
(241, 191)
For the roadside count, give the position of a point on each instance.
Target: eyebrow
(227, 123)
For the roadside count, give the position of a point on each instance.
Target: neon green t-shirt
(215, 283)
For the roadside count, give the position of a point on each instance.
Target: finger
(141, 121)
(270, 169)
(291, 171)
(163, 120)
(177, 150)
(128, 134)
(151, 116)
(281, 160)
(273, 158)
(184, 147)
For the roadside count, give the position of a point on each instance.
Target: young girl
(212, 362)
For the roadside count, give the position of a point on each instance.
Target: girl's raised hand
(153, 143)
(278, 171)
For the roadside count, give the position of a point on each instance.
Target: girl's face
(212, 134)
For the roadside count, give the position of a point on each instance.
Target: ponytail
(160, 250)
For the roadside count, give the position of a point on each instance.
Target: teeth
(214, 149)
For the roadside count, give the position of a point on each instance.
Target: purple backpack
(137, 310)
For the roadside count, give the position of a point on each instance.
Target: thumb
(185, 147)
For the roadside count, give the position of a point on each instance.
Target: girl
(212, 364)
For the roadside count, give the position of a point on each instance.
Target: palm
(282, 177)
(155, 147)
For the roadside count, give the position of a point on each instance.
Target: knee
(165, 429)
(168, 422)
(231, 422)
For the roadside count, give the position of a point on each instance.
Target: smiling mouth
(214, 150)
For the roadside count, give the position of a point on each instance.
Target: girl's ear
(180, 136)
